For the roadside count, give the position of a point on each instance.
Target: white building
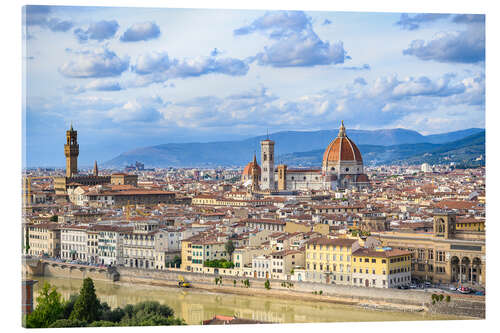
(74, 242)
(139, 245)
(110, 242)
(283, 262)
(262, 266)
(426, 167)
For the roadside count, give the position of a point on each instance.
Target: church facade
(342, 168)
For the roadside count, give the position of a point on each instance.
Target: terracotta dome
(342, 149)
(248, 169)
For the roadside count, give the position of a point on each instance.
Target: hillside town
(343, 223)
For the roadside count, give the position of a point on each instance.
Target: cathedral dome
(341, 149)
(247, 172)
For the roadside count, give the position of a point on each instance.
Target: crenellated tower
(71, 151)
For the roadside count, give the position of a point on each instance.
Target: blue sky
(131, 77)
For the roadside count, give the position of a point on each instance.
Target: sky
(133, 77)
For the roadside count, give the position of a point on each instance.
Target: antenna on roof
(268, 133)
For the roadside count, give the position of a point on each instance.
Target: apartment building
(381, 267)
(44, 239)
(74, 242)
(329, 260)
(283, 262)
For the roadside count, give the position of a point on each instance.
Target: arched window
(346, 169)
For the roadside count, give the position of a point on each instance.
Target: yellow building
(381, 267)
(329, 260)
(203, 250)
(186, 254)
(44, 239)
(470, 224)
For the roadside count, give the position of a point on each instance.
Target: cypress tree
(87, 305)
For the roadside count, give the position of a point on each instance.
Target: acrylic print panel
(209, 166)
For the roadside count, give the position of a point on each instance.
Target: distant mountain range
(298, 148)
(463, 151)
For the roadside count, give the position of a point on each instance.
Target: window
(374, 260)
(430, 254)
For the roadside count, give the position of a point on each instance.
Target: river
(196, 305)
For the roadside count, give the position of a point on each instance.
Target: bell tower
(71, 151)
(267, 164)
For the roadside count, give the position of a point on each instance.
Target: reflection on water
(197, 305)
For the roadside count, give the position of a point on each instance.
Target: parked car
(464, 290)
(453, 288)
(413, 286)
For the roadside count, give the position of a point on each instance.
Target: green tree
(27, 241)
(69, 304)
(49, 308)
(149, 314)
(103, 323)
(54, 218)
(267, 284)
(114, 315)
(229, 246)
(87, 306)
(68, 323)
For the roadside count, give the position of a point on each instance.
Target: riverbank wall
(372, 298)
(71, 271)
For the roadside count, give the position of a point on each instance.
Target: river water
(196, 305)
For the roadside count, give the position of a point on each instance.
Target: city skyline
(137, 77)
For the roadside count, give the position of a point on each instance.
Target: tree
(54, 218)
(69, 304)
(68, 323)
(27, 241)
(87, 306)
(229, 247)
(114, 315)
(149, 314)
(49, 308)
(267, 284)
